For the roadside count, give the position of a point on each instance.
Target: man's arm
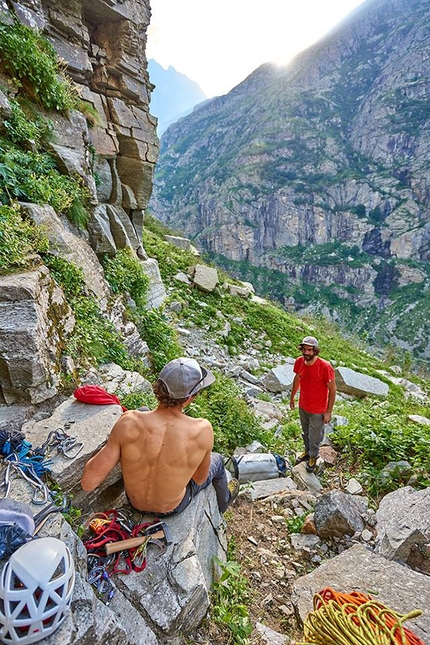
(331, 398)
(294, 388)
(98, 467)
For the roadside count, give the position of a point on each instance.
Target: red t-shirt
(313, 384)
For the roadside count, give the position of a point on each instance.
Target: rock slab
(358, 569)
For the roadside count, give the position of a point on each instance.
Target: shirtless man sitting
(166, 457)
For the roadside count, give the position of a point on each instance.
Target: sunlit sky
(217, 43)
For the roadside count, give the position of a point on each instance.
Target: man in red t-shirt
(314, 377)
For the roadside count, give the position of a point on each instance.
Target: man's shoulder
(326, 365)
(298, 362)
(324, 362)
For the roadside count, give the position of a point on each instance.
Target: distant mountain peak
(174, 96)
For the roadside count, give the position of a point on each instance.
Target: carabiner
(70, 448)
(6, 481)
(40, 490)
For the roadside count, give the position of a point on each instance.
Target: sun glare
(218, 44)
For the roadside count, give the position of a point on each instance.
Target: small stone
(354, 487)
(252, 540)
(366, 535)
(277, 519)
(287, 610)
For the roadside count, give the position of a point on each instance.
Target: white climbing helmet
(36, 588)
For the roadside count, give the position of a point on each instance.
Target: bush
(229, 598)
(125, 274)
(70, 277)
(30, 58)
(161, 338)
(18, 238)
(33, 177)
(23, 128)
(233, 422)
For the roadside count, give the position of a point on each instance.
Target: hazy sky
(217, 43)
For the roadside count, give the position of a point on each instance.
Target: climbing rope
(356, 619)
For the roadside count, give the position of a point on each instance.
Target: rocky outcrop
(167, 600)
(103, 46)
(35, 320)
(358, 569)
(318, 174)
(404, 527)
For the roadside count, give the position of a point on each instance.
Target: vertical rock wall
(103, 45)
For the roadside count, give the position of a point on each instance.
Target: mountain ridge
(331, 150)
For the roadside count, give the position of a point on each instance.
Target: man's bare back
(159, 452)
(166, 457)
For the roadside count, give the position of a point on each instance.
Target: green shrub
(233, 422)
(126, 275)
(230, 596)
(18, 238)
(295, 524)
(69, 276)
(135, 400)
(33, 177)
(31, 59)
(23, 128)
(94, 338)
(160, 336)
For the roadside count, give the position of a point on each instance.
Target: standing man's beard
(308, 357)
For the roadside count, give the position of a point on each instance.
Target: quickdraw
(30, 470)
(62, 442)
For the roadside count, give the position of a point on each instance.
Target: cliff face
(103, 45)
(113, 154)
(320, 171)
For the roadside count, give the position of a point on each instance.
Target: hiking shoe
(311, 465)
(302, 457)
(234, 487)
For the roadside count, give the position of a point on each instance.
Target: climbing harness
(11, 441)
(356, 619)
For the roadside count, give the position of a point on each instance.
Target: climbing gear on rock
(29, 469)
(62, 442)
(252, 467)
(356, 619)
(36, 588)
(109, 552)
(60, 504)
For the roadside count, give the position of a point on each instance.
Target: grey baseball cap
(309, 340)
(184, 377)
